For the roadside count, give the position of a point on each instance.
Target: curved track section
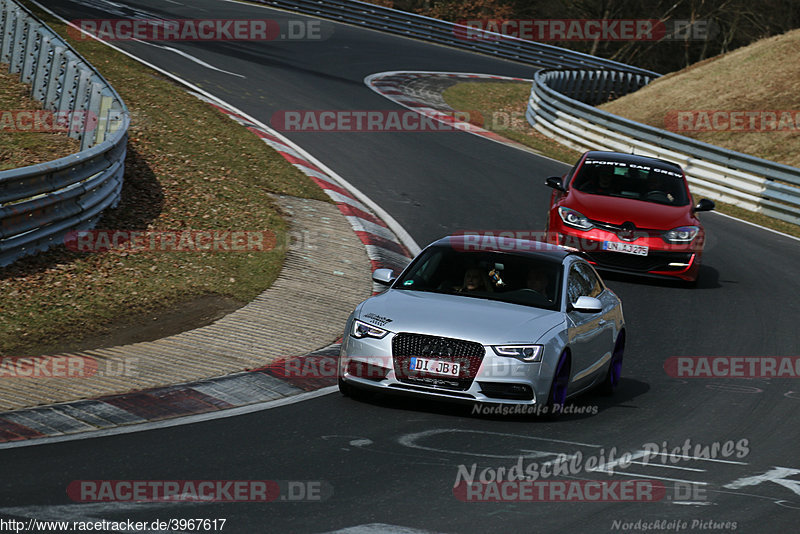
(422, 93)
(393, 462)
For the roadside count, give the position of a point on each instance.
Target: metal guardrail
(429, 29)
(561, 107)
(562, 100)
(40, 204)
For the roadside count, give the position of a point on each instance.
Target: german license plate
(625, 248)
(434, 367)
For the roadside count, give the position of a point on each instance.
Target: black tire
(557, 397)
(609, 385)
(345, 388)
(354, 392)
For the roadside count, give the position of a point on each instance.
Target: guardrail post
(55, 77)
(732, 177)
(41, 204)
(39, 82)
(29, 55)
(9, 22)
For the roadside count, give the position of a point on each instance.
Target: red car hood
(617, 210)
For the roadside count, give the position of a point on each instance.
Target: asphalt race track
(390, 464)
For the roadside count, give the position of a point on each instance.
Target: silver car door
(585, 330)
(605, 338)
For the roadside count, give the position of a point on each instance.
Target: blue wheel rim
(616, 367)
(559, 394)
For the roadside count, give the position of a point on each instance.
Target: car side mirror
(705, 205)
(587, 305)
(555, 183)
(384, 276)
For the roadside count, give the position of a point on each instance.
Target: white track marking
(608, 467)
(402, 234)
(404, 237)
(777, 475)
(410, 440)
(665, 466)
(684, 457)
(648, 477)
(754, 224)
(189, 57)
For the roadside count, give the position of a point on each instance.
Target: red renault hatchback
(629, 214)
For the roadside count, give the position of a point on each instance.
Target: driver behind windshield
(658, 189)
(596, 181)
(474, 280)
(538, 281)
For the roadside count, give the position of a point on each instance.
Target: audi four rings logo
(437, 347)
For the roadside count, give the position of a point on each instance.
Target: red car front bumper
(662, 259)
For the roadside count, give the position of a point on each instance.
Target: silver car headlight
(575, 219)
(361, 330)
(682, 234)
(526, 353)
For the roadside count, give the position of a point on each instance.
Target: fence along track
(40, 204)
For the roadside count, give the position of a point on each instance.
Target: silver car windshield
(521, 279)
(661, 185)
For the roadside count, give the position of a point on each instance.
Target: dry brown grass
(21, 148)
(500, 107)
(762, 76)
(188, 166)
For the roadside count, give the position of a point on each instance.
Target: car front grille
(466, 353)
(618, 228)
(654, 261)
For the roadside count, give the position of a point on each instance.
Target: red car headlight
(574, 219)
(682, 234)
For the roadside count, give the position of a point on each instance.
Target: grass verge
(761, 77)
(19, 147)
(501, 108)
(188, 167)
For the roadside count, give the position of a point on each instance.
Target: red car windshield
(649, 183)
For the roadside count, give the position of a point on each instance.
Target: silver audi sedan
(488, 321)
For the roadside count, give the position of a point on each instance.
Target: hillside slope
(764, 76)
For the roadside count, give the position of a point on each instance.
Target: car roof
(506, 245)
(630, 158)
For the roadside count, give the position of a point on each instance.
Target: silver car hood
(481, 320)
